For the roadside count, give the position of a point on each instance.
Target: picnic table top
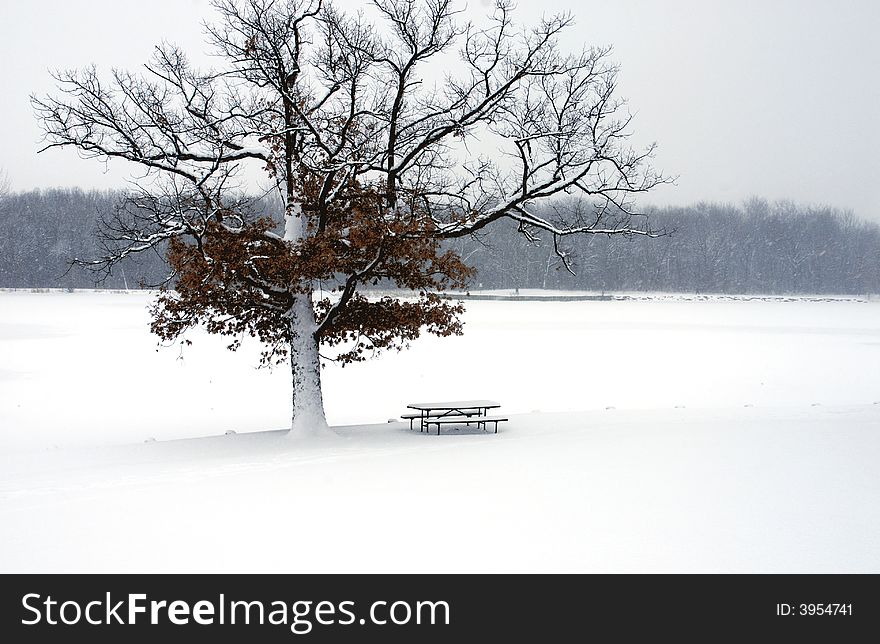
(455, 404)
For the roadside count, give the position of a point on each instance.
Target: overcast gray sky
(772, 98)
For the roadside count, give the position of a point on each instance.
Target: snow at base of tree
(659, 435)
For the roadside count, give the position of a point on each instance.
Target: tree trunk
(305, 368)
(307, 411)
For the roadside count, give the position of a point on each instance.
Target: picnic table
(463, 411)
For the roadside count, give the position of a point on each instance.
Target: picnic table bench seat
(480, 421)
(440, 413)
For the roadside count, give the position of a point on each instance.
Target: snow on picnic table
(656, 435)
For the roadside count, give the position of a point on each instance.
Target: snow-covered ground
(650, 435)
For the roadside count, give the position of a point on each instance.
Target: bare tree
(385, 132)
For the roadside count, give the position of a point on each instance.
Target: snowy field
(650, 435)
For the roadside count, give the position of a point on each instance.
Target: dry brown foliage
(241, 282)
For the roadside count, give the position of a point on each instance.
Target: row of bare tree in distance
(755, 247)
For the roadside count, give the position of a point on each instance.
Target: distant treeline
(43, 230)
(758, 247)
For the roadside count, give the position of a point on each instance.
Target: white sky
(774, 98)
